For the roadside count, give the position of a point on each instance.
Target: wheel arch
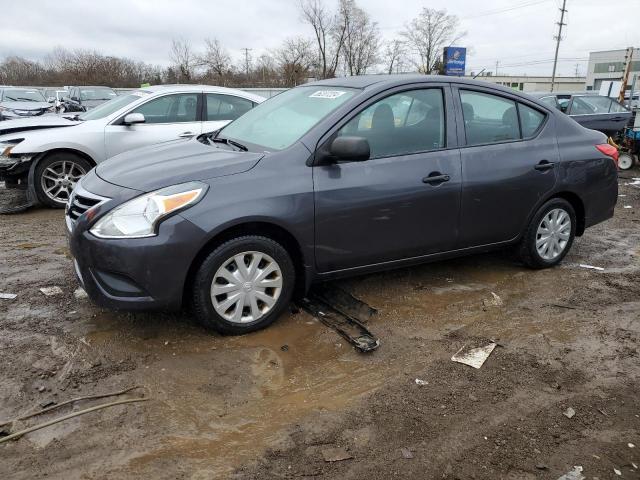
(74, 151)
(578, 206)
(262, 228)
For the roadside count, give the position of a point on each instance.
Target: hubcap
(553, 234)
(625, 161)
(246, 287)
(60, 178)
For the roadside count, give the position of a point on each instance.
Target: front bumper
(139, 273)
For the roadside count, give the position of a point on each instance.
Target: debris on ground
(406, 453)
(284, 348)
(51, 291)
(617, 472)
(591, 267)
(575, 474)
(494, 301)
(627, 206)
(474, 357)
(541, 466)
(80, 294)
(630, 445)
(569, 412)
(8, 296)
(421, 382)
(335, 454)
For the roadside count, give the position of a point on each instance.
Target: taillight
(609, 151)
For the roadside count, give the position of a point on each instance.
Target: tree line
(344, 41)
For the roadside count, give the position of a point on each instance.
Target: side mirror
(133, 118)
(350, 149)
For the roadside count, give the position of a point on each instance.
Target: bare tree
(361, 39)
(295, 58)
(428, 34)
(329, 29)
(215, 60)
(394, 55)
(183, 58)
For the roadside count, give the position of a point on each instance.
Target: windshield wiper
(227, 141)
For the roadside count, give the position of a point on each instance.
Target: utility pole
(577, 70)
(560, 24)
(246, 60)
(497, 62)
(625, 76)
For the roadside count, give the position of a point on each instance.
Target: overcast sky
(516, 33)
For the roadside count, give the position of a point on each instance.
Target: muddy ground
(280, 402)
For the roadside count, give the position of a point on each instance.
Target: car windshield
(97, 94)
(112, 106)
(277, 123)
(22, 95)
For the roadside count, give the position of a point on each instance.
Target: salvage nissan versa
(338, 177)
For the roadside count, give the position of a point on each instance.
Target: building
(527, 83)
(609, 65)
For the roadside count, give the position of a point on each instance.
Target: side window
(401, 124)
(177, 108)
(488, 118)
(226, 107)
(550, 101)
(617, 108)
(530, 120)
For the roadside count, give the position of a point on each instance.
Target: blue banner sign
(454, 60)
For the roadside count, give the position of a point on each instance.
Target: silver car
(22, 102)
(47, 156)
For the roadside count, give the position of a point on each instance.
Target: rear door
(508, 164)
(386, 208)
(221, 109)
(167, 117)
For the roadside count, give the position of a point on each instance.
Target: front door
(168, 117)
(508, 165)
(404, 201)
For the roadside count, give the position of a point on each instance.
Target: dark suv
(334, 178)
(81, 99)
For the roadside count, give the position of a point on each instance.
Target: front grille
(80, 202)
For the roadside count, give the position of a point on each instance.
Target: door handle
(436, 178)
(186, 134)
(544, 165)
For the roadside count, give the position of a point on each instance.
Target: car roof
(202, 88)
(383, 81)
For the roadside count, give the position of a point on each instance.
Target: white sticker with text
(330, 94)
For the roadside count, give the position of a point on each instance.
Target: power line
(503, 10)
(563, 10)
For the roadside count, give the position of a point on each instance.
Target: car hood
(35, 123)
(26, 105)
(170, 163)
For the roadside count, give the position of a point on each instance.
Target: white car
(47, 156)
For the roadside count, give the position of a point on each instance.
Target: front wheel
(549, 235)
(243, 285)
(56, 176)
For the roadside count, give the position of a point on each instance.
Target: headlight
(139, 217)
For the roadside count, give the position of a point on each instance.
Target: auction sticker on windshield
(330, 94)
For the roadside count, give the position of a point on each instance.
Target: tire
(65, 169)
(625, 161)
(252, 316)
(563, 239)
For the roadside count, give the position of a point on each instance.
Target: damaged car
(49, 155)
(335, 178)
(16, 103)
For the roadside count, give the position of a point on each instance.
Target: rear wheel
(549, 235)
(243, 285)
(56, 176)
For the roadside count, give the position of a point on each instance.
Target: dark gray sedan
(334, 178)
(599, 113)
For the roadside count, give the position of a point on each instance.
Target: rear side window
(489, 118)
(530, 120)
(401, 124)
(226, 107)
(550, 101)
